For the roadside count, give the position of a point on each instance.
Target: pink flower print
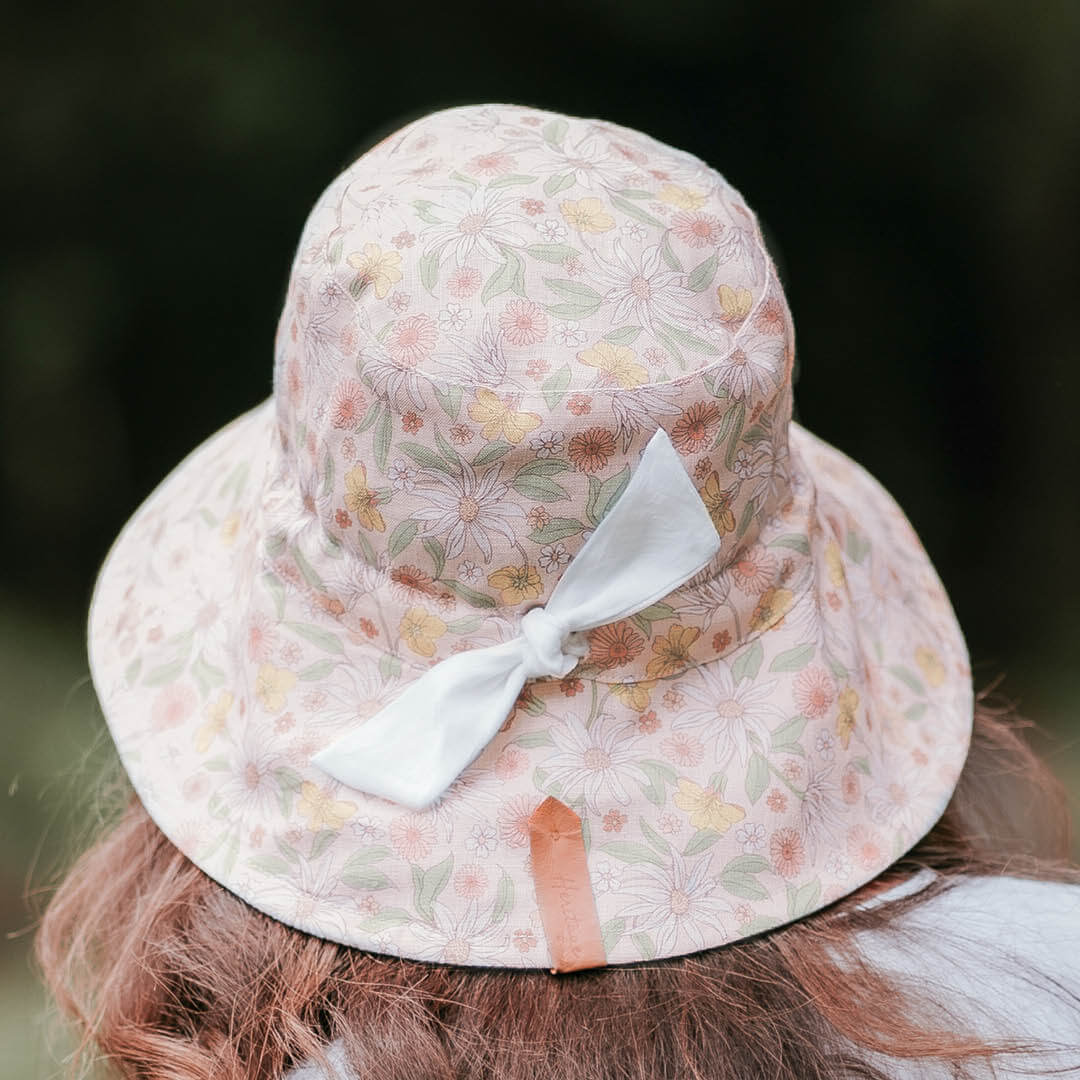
(684, 749)
(368, 906)
(770, 317)
(696, 229)
(262, 638)
(349, 339)
(538, 516)
(347, 404)
(524, 940)
(755, 570)
(195, 787)
(404, 239)
(463, 282)
(523, 322)
(461, 434)
(412, 836)
(648, 722)
(399, 302)
(673, 699)
(866, 847)
(172, 706)
(532, 207)
(290, 654)
(513, 761)
(411, 340)
(614, 820)
(471, 881)
(579, 404)
(776, 801)
(630, 153)
(495, 163)
(314, 700)
(815, 691)
(512, 820)
(850, 786)
(787, 852)
(411, 422)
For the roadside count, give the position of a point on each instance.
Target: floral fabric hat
(514, 343)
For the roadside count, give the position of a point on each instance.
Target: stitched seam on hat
(435, 380)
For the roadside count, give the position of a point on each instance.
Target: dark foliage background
(916, 163)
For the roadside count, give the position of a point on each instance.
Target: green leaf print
(552, 253)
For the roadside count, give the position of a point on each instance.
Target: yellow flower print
(587, 215)
(321, 809)
(774, 604)
(421, 630)
(215, 721)
(362, 501)
(499, 419)
(377, 267)
(707, 810)
(672, 651)
(835, 564)
(735, 304)
(229, 528)
(683, 197)
(636, 695)
(616, 362)
(718, 502)
(930, 664)
(517, 583)
(848, 701)
(272, 686)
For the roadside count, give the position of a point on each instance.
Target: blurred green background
(917, 165)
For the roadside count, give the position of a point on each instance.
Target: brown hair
(168, 975)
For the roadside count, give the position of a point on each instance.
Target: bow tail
(411, 751)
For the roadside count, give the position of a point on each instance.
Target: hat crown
(489, 315)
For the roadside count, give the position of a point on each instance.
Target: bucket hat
(522, 626)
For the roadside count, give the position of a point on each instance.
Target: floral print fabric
(489, 315)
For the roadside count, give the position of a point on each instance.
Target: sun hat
(522, 626)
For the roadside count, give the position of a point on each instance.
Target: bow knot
(550, 649)
(657, 535)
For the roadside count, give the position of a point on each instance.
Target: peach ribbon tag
(563, 890)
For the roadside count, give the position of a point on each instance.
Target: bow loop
(656, 536)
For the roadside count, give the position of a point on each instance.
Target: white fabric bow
(657, 535)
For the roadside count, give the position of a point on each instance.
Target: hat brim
(219, 679)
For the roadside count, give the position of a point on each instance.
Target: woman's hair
(168, 975)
